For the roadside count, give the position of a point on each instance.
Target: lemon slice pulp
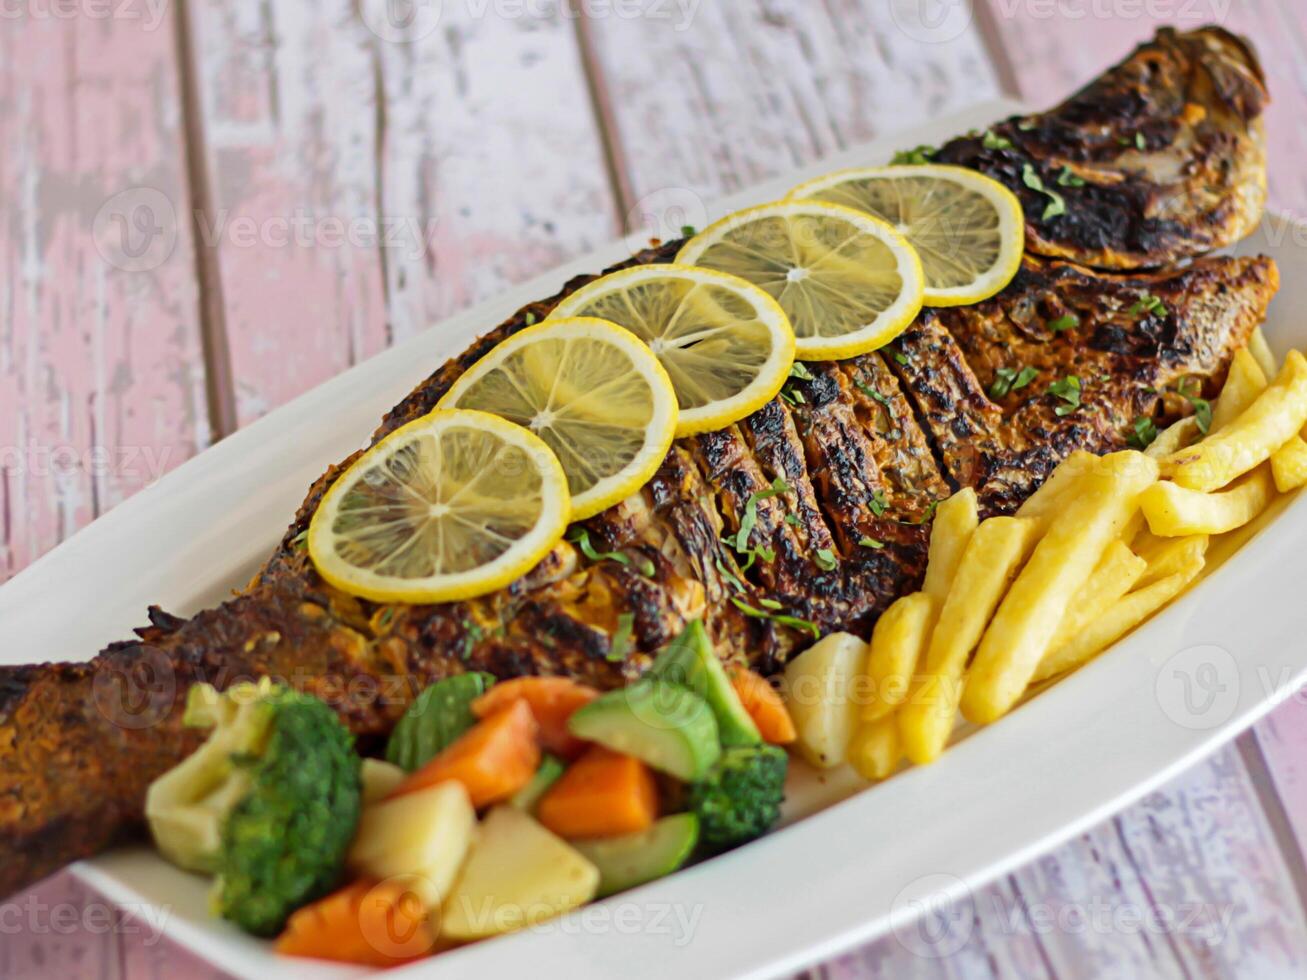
(848, 282)
(450, 506)
(967, 228)
(726, 344)
(592, 391)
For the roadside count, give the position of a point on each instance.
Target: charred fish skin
(865, 450)
(1161, 158)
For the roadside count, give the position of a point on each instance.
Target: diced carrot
(374, 924)
(493, 759)
(765, 707)
(552, 701)
(601, 794)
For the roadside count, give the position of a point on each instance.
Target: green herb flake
(800, 371)
(900, 357)
(1056, 203)
(1148, 303)
(1143, 432)
(300, 540)
(791, 520)
(581, 538)
(1202, 413)
(869, 542)
(1008, 379)
(1068, 391)
(730, 577)
(1026, 125)
(620, 642)
(918, 154)
(825, 559)
(1066, 178)
(878, 503)
(793, 622)
(1140, 142)
(529, 319)
(1067, 321)
(992, 141)
(771, 604)
(688, 231)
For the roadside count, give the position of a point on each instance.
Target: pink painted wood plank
(747, 90)
(490, 149)
(288, 99)
(101, 378)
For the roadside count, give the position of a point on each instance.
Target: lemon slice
(967, 228)
(848, 282)
(727, 346)
(592, 391)
(450, 506)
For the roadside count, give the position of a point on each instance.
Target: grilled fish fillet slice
(864, 446)
(1169, 145)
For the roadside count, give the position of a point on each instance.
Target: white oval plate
(1170, 693)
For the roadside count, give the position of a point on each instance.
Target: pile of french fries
(1009, 603)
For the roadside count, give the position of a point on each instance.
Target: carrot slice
(493, 759)
(601, 794)
(374, 924)
(765, 707)
(552, 701)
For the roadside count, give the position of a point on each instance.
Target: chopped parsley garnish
(927, 514)
(1008, 379)
(740, 540)
(730, 577)
(581, 538)
(386, 616)
(300, 540)
(771, 604)
(1067, 321)
(1148, 303)
(688, 231)
(869, 542)
(529, 319)
(620, 643)
(992, 141)
(800, 371)
(900, 357)
(1202, 413)
(472, 635)
(792, 621)
(792, 396)
(918, 154)
(875, 395)
(1143, 432)
(1066, 178)
(792, 520)
(1026, 125)
(825, 559)
(1056, 204)
(1140, 142)
(878, 503)
(1068, 390)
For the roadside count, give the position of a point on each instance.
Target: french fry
(993, 556)
(1175, 436)
(1048, 498)
(1173, 511)
(1274, 418)
(1116, 573)
(955, 521)
(1243, 384)
(897, 642)
(1169, 556)
(1289, 465)
(1093, 516)
(1117, 621)
(1261, 350)
(874, 750)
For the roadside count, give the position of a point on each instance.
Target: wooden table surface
(324, 178)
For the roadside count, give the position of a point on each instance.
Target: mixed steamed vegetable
(498, 805)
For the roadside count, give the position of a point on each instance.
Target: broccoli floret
(269, 804)
(740, 798)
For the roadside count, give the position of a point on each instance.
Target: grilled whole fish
(865, 445)
(1161, 158)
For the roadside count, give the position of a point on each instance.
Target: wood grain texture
(101, 378)
(287, 94)
(490, 148)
